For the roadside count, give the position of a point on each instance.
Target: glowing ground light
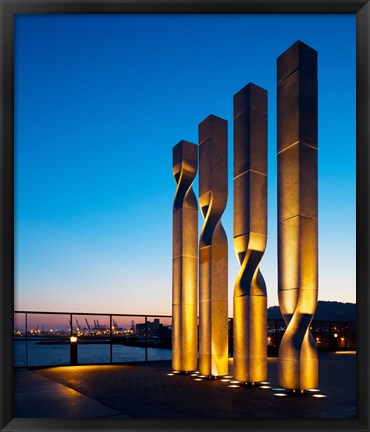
(170, 374)
(319, 395)
(175, 372)
(313, 390)
(280, 394)
(265, 387)
(228, 376)
(225, 380)
(198, 379)
(194, 374)
(278, 389)
(202, 376)
(235, 382)
(234, 386)
(265, 382)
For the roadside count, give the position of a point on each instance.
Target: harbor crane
(78, 325)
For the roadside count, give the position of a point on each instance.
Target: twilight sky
(100, 100)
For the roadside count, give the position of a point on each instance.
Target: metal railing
(145, 340)
(145, 335)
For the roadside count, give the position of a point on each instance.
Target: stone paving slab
(37, 396)
(147, 391)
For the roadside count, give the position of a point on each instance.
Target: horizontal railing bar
(91, 313)
(154, 315)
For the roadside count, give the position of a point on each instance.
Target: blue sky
(100, 100)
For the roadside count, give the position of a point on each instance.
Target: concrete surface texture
(152, 391)
(213, 253)
(185, 259)
(297, 213)
(250, 233)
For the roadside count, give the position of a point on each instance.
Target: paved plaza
(150, 390)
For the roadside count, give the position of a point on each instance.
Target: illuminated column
(213, 314)
(185, 259)
(250, 233)
(297, 214)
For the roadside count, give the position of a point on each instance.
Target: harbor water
(33, 353)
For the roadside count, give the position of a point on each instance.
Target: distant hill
(325, 311)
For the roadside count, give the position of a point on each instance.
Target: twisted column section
(213, 312)
(185, 259)
(250, 233)
(297, 214)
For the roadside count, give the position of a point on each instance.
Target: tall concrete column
(250, 233)
(185, 260)
(297, 214)
(213, 313)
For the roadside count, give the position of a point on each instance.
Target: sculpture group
(206, 255)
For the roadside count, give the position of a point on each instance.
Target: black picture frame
(9, 8)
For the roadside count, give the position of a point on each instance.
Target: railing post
(73, 347)
(26, 339)
(232, 337)
(110, 338)
(146, 338)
